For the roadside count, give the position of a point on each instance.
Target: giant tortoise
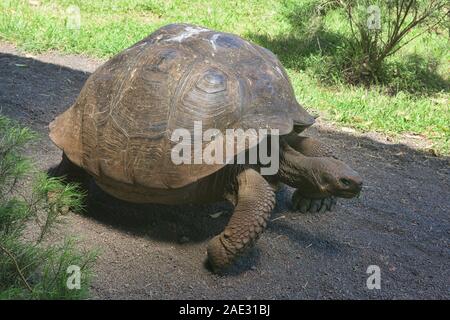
(119, 131)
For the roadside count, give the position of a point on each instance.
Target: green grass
(414, 100)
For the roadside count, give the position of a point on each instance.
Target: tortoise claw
(304, 204)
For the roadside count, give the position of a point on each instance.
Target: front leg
(254, 200)
(305, 204)
(296, 151)
(308, 146)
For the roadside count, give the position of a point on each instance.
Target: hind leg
(70, 172)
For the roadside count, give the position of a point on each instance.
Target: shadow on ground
(150, 251)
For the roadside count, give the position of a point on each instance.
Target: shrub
(379, 28)
(28, 268)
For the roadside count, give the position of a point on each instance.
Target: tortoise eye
(345, 182)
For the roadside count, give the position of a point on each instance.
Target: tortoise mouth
(346, 194)
(349, 192)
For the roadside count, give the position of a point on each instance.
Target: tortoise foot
(305, 204)
(220, 258)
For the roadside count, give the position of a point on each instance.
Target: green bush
(30, 269)
(380, 28)
(337, 42)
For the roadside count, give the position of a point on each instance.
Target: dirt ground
(400, 222)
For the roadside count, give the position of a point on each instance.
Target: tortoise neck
(296, 170)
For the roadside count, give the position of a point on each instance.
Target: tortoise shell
(120, 126)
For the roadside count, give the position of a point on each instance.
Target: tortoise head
(334, 178)
(318, 177)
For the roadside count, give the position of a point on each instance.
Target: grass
(413, 100)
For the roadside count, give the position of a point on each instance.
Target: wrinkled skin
(322, 177)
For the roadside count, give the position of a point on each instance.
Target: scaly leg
(254, 200)
(310, 147)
